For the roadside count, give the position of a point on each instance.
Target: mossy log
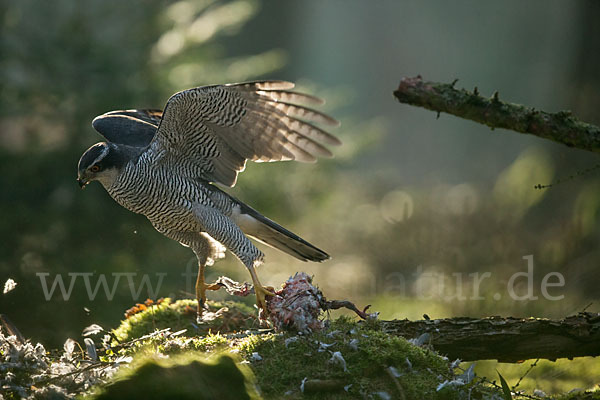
(375, 358)
(346, 359)
(161, 352)
(492, 338)
(560, 127)
(507, 339)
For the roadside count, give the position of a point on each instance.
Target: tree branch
(560, 127)
(507, 339)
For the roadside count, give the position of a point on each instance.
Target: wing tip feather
(275, 85)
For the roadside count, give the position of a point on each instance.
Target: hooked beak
(82, 182)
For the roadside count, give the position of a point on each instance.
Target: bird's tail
(269, 232)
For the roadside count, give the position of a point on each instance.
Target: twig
(11, 328)
(493, 383)
(336, 304)
(525, 374)
(142, 338)
(100, 364)
(560, 127)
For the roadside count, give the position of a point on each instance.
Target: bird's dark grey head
(101, 162)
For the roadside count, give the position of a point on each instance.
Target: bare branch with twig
(560, 127)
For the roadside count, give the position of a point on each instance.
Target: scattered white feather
(353, 344)
(255, 357)
(447, 383)
(91, 348)
(290, 340)
(9, 285)
(384, 395)
(208, 316)
(395, 373)
(302, 384)
(373, 316)
(468, 375)
(332, 334)
(30, 366)
(324, 346)
(92, 330)
(421, 340)
(455, 363)
(69, 347)
(463, 379)
(338, 359)
(124, 360)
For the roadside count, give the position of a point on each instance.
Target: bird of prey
(165, 164)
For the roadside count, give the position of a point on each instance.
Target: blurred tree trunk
(586, 80)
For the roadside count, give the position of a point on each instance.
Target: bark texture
(560, 127)
(506, 339)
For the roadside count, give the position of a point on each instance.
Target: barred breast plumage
(159, 192)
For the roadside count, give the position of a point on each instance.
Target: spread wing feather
(130, 127)
(213, 130)
(152, 116)
(289, 97)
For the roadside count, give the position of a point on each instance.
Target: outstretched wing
(215, 129)
(130, 127)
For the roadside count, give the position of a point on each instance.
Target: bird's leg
(200, 289)
(260, 291)
(222, 229)
(203, 250)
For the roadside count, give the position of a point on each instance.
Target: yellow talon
(261, 292)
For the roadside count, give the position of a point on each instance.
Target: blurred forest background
(407, 194)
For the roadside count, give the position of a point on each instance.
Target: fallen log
(506, 339)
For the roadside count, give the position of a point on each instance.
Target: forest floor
(160, 351)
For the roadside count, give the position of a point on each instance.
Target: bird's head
(101, 162)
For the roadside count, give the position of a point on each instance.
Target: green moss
(165, 345)
(284, 360)
(189, 376)
(210, 342)
(282, 369)
(182, 315)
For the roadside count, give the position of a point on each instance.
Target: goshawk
(163, 164)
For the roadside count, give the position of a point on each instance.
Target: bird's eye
(95, 168)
